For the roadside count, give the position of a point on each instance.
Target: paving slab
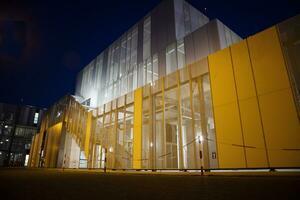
(89, 184)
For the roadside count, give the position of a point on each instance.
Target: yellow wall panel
(137, 128)
(267, 61)
(53, 141)
(231, 156)
(256, 158)
(242, 70)
(88, 135)
(253, 133)
(221, 76)
(48, 147)
(226, 111)
(34, 151)
(284, 158)
(228, 131)
(281, 125)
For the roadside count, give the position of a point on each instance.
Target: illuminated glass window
(180, 54)
(155, 67)
(147, 38)
(36, 118)
(171, 58)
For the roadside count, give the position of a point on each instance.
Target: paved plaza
(74, 184)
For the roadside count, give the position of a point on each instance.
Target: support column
(88, 135)
(137, 128)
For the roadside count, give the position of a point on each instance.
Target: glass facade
(152, 48)
(176, 123)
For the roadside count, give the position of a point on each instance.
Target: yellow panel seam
(238, 104)
(259, 109)
(214, 114)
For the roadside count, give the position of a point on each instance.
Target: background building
(200, 98)
(18, 125)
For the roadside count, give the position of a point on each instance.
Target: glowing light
(151, 144)
(111, 149)
(5, 126)
(200, 138)
(26, 160)
(7, 140)
(36, 118)
(58, 114)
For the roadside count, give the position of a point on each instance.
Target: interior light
(5, 126)
(26, 160)
(36, 118)
(151, 144)
(7, 140)
(200, 138)
(58, 114)
(111, 149)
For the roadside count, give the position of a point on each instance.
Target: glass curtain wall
(177, 124)
(172, 121)
(158, 124)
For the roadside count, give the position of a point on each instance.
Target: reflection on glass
(171, 59)
(171, 129)
(128, 136)
(211, 135)
(180, 53)
(159, 131)
(177, 126)
(188, 136)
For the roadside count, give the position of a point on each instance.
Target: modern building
(18, 125)
(178, 91)
(168, 38)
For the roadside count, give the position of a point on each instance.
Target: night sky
(43, 45)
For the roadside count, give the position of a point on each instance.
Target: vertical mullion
(124, 133)
(153, 127)
(193, 115)
(115, 136)
(163, 122)
(179, 121)
(151, 133)
(203, 120)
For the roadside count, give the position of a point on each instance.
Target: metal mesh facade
(169, 37)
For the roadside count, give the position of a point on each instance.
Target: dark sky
(43, 45)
